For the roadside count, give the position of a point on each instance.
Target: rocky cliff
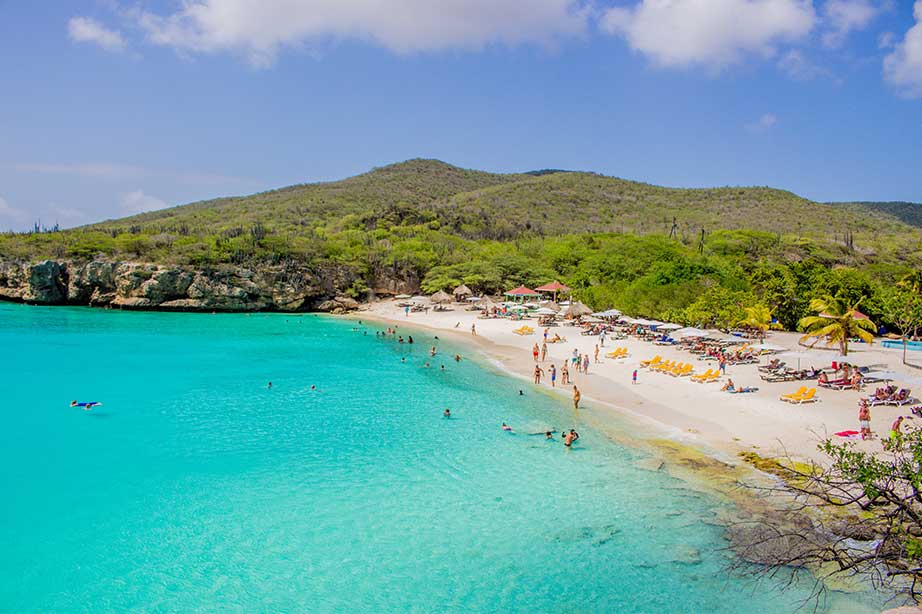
(131, 285)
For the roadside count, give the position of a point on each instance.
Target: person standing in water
(538, 373)
(564, 374)
(576, 397)
(570, 438)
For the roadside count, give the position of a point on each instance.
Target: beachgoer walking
(596, 355)
(895, 431)
(576, 397)
(535, 351)
(634, 377)
(575, 358)
(543, 351)
(722, 365)
(553, 373)
(406, 311)
(586, 363)
(474, 328)
(564, 374)
(546, 330)
(538, 373)
(602, 339)
(864, 419)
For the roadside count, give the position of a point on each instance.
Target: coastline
(719, 424)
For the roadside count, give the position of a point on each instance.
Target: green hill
(660, 252)
(908, 213)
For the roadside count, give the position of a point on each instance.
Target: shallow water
(194, 487)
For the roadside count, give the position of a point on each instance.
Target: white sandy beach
(699, 414)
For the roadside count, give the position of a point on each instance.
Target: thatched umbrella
(441, 297)
(551, 305)
(577, 309)
(461, 292)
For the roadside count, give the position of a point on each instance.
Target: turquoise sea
(195, 488)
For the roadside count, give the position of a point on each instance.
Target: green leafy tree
(902, 307)
(836, 322)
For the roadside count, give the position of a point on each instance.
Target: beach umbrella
(474, 299)
(402, 296)
(441, 297)
(669, 327)
(420, 299)
(577, 309)
(768, 347)
(551, 305)
(800, 355)
(461, 291)
(544, 311)
(883, 376)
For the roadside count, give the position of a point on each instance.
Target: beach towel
(849, 434)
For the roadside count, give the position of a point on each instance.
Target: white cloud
(903, 66)
(797, 66)
(886, 40)
(139, 202)
(764, 123)
(260, 29)
(88, 30)
(714, 34)
(845, 16)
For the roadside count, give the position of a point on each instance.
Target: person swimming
(447, 413)
(313, 387)
(507, 428)
(548, 434)
(86, 406)
(570, 438)
(270, 385)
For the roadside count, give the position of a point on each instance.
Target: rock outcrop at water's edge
(130, 285)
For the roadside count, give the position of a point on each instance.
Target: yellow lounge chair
(808, 397)
(712, 378)
(653, 361)
(663, 366)
(688, 370)
(702, 376)
(800, 392)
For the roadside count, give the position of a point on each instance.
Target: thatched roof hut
(461, 292)
(440, 297)
(577, 309)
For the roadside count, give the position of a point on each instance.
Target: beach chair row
(618, 353)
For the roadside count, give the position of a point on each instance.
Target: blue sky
(109, 107)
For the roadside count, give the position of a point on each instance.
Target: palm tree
(758, 317)
(836, 322)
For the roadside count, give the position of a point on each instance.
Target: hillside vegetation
(684, 254)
